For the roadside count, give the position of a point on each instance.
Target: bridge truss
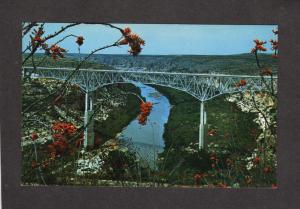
(201, 86)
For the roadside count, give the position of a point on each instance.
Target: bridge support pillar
(88, 122)
(202, 125)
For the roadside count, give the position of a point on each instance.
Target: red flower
(241, 83)
(222, 185)
(211, 132)
(56, 51)
(258, 42)
(37, 39)
(127, 30)
(34, 136)
(124, 41)
(133, 40)
(57, 136)
(62, 132)
(145, 109)
(259, 46)
(212, 158)
(267, 169)
(66, 129)
(45, 164)
(274, 44)
(256, 160)
(79, 40)
(34, 164)
(197, 178)
(57, 148)
(266, 71)
(274, 186)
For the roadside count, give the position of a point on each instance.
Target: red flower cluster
(79, 40)
(63, 128)
(211, 132)
(274, 44)
(62, 131)
(127, 30)
(34, 164)
(267, 169)
(222, 185)
(214, 160)
(37, 35)
(133, 40)
(45, 164)
(256, 160)
(241, 83)
(145, 109)
(57, 148)
(259, 46)
(56, 51)
(198, 177)
(34, 136)
(266, 71)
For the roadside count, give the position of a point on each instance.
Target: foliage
(51, 144)
(240, 64)
(231, 138)
(145, 109)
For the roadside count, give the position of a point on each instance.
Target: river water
(147, 139)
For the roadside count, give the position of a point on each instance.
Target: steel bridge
(201, 86)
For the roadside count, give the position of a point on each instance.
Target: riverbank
(119, 117)
(228, 134)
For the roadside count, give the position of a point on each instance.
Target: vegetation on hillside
(111, 116)
(46, 61)
(244, 64)
(231, 136)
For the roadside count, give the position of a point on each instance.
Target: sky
(166, 39)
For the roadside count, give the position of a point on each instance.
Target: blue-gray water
(148, 139)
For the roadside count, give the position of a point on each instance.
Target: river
(147, 139)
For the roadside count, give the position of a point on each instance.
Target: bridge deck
(150, 72)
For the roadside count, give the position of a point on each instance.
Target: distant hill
(242, 64)
(70, 61)
(227, 64)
